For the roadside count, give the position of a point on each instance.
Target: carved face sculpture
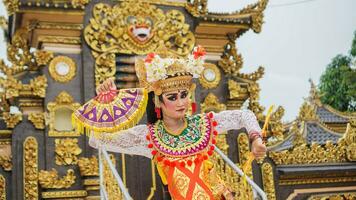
(175, 104)
(140, 28)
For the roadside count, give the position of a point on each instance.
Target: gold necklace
(177, 132)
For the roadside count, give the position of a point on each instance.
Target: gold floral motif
(254, 105)
(268, 181)
(67, 151)
(350, 139)
(12, 6)
(211, 103)
(109, 33)
(213, 81)
(243, 146)
(64, 194)
(315, 153)
(110, 183)
(37, 120)
(12, 120)
(30, 169)
(79, 3)
(236, 91)
(50, 179)
(37, 86)
(43, 57)
(64, 61)
(276, 126)
(6, 155)
(230, 61)
(338, 196)
(307, 112)
(256, 14)
(63, 100)
(2, 188)
(88, 166)
(197, 7)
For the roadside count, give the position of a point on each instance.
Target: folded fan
(111, 112)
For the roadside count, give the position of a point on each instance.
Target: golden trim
(268, 181)
(94, 182)
(2, 187)
(212, 103)
(153, 176)
(59, 39)
(210, 84)
(63, 100)
(243, 147)
(30, 169)
(317, 180)
(348, 115)
(37, 119)
(64, 194)
(11, 120)
(88, 166)
(296, 192)
(71, 71)
(123, 162)
(5, 132)
(343, 195)
(50, 179)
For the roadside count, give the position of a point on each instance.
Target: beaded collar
(197, 138)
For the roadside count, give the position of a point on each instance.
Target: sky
(298, 39)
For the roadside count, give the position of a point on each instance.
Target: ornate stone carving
(139, 28)
(50, 179)
(12, 6)
(88, 166)
(268, 181)
(43, 57)
(197, 7)
(350, 139)
(30, 166)
(276, 126)
(254, 105)
(307, 112)
(236, 91)
(5, 155)
(230, 61)
(210, 77)
(315, 153)
(211, 103)
(37, 119)
(79, 3)
(62, 69)
(67, 151)
(340, 196)
(244, 147)
(63, 100)
(110, 183)
(12, 120)
(257, 14)
(64, 194)
(2, 188)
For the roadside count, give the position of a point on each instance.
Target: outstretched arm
(131, 141)
(237, 119)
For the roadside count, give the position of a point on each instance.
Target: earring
(157, 108)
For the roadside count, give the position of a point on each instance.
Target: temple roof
(326, 115)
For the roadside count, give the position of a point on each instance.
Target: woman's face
(175, 103)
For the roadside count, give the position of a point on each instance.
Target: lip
(180, 110)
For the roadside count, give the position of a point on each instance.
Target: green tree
(338, 83)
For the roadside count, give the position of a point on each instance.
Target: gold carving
(12, 120)
(316, 180)
(67, 151)
(64, 194)
(211, 103)
(243, 146)
(256, 11)
(50, 179)
(88, 166)
(307, 112)
(337, 196)
(63, 101)
(139, 28)
(230, 61)
(110, 183)
(350, 139)
(236, 91)
(254, 105)
(12, 6)
(5, 155)
(30, 169)
(276, 125)
(62, 69)
(197, 7)
(79, 3)
(210, 77)
(60, 39)
(43, 57)
(315, 153)
(268, 181)
(37, 119)
(2, 188)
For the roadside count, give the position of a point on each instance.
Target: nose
(180, 101)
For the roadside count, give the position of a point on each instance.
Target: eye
(183, 95)
(172, 97)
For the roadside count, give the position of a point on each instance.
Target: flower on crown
(158, 68)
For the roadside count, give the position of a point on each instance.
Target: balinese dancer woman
(179, 143)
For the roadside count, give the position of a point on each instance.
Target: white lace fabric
(133, 141)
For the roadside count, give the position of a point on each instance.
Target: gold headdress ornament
(163, 71)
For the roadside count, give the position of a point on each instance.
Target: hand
(259, 148)
(106, 86)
